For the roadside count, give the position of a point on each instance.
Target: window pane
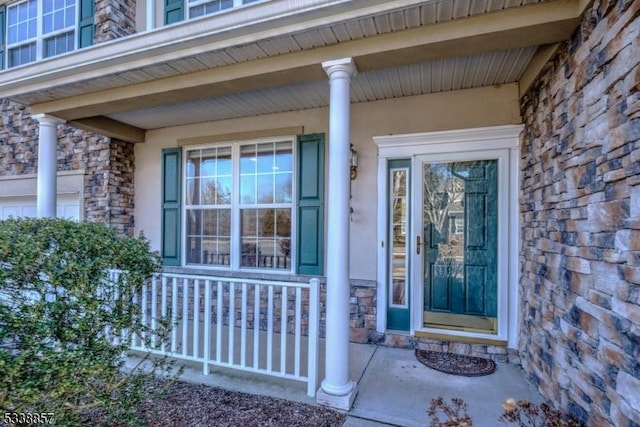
(193, 163)
(283, 222)
(48, 6)
(248, 159)
(283, 188)
(208, 162)
(70, 16)
(47, 23)
(224, 161)
(249, 220)
(194, 221)
(193, 191)
(284, 157)
(223, 191)
(265, 188)
(265, 158)
(207, 191)
(194, 12)
(248, 189)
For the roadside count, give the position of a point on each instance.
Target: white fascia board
(245, 25)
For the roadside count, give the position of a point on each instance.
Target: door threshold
(458, 338)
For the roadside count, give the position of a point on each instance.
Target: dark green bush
(61, 314)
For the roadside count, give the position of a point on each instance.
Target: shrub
(61, 314)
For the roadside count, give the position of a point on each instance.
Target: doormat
(456, 364)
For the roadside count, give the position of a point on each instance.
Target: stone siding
(114, 19)
(580, 221)
(108, 164)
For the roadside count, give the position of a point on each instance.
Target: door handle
(418, 245)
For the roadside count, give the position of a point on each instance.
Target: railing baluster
(232, 321)
(283, 329)
(132, 336)
(243, 327)
(207, 327)
(270, 329)
(256, 326)
(164, 311)
(296, 357)
(154, 311)
(174, 314)
(196, 316)
(145, 303)
(312, 371)
(219, 296)
(185, 315)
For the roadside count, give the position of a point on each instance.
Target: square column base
(342, 403)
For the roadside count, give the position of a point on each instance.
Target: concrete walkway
(396, 389)
(393, 388)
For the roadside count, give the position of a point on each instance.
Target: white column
(47, 165)
(337, 389)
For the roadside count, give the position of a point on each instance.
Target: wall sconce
(354, 163)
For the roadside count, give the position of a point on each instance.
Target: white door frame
(469, 143)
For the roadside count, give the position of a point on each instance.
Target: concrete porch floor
(393, 387)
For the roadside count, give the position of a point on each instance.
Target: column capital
(46, 119)
(344, 65)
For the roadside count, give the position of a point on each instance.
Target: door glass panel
(460, 244)
(399, 225)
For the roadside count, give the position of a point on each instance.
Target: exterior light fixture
(354, 163)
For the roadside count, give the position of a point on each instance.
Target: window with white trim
(205, 7)
(38, 29)
(239, 205)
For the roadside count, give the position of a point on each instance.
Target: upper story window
(204, 7)
(39, 29)
(177, 10)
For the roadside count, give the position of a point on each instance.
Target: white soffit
(428, 13)
(417, 79)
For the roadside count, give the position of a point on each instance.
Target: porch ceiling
(170, 77)
(416, 79)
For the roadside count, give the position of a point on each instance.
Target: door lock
(418, 245)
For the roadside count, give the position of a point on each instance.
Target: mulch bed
(456, 364)
(192, 405)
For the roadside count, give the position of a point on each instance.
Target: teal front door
(459, 211)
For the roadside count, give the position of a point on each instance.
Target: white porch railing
(266, 327)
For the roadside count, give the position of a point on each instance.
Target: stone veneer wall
(114, 19)
(580, 213)
(108, 164)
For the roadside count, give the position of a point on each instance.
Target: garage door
(25, 206)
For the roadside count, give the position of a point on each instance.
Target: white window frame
(40, 35)
(192, 4)
(501, 142)
(236, 206)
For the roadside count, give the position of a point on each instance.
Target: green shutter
(173, 11)
(171, 184)
(310, 254)
(86, 28)
(3, 20)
